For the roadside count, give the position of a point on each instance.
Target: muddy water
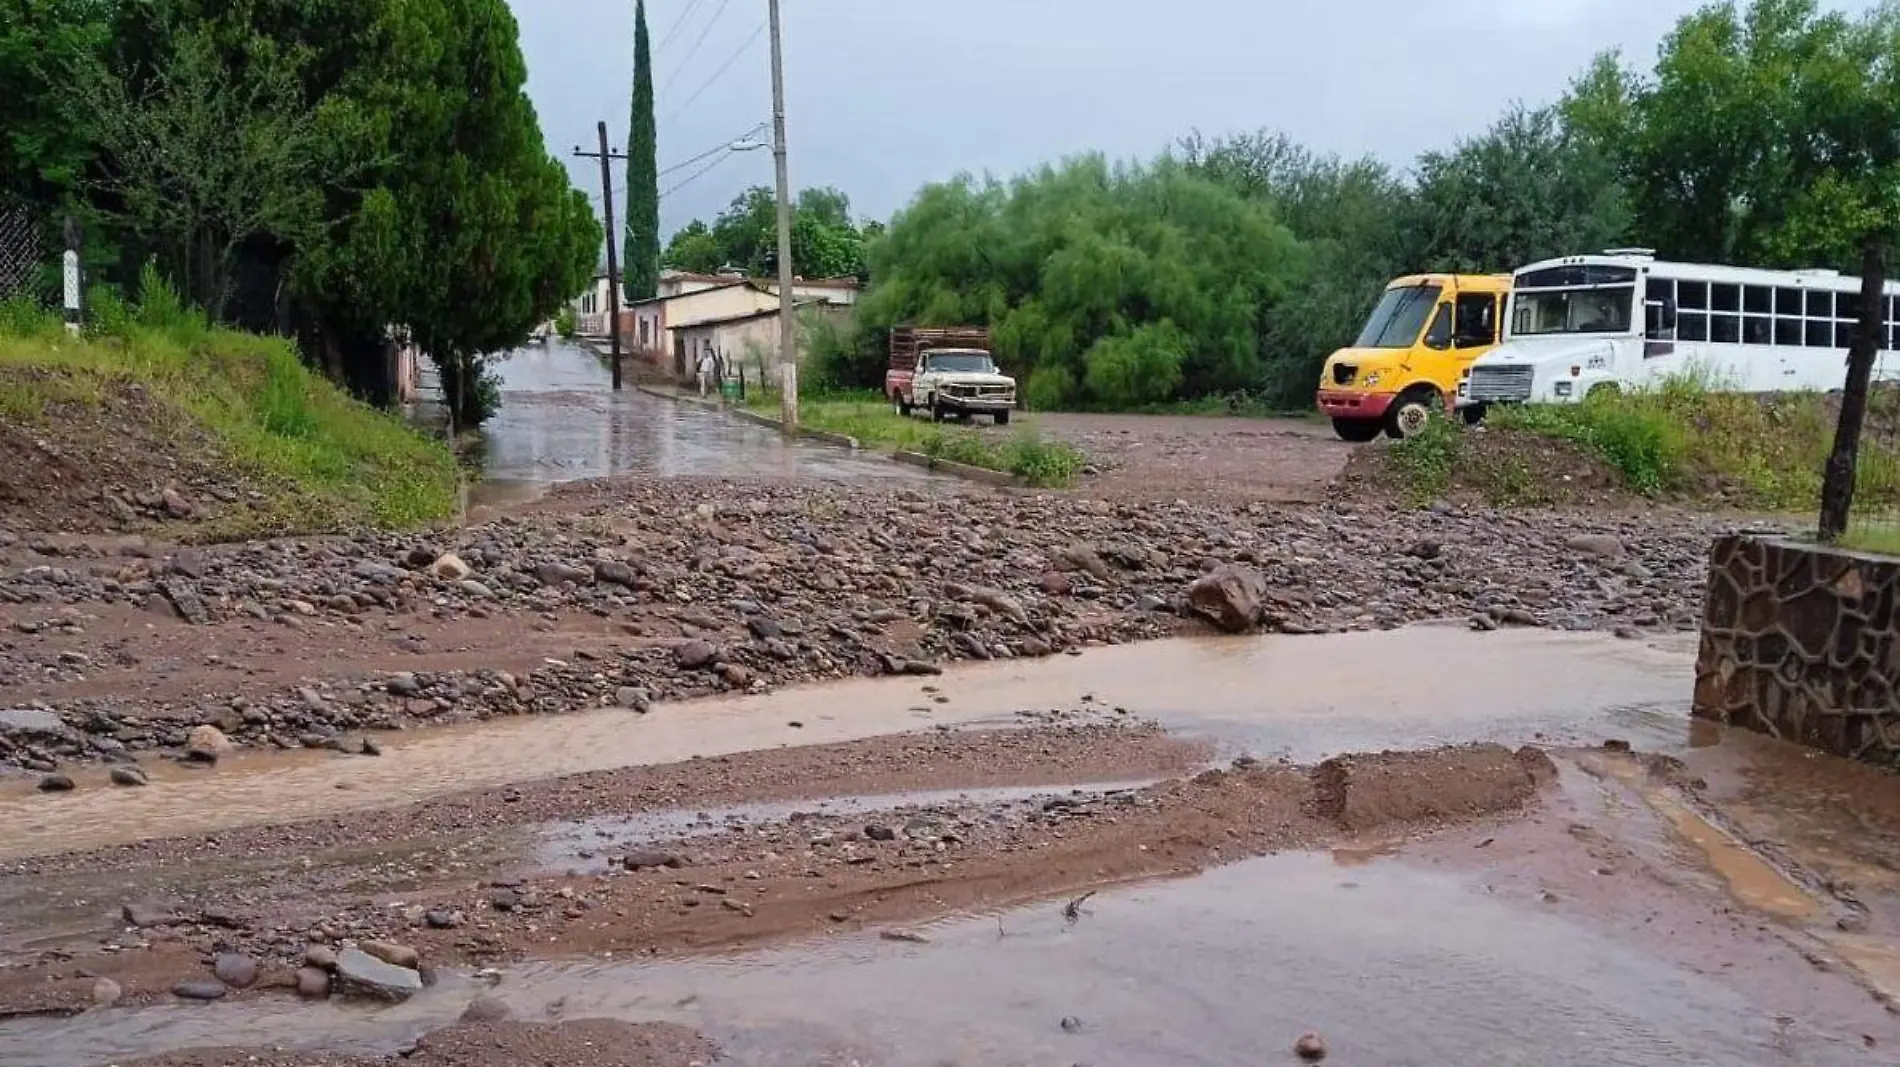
(1300, 697)
(1393, 964)
(582, 845)
(560, 420)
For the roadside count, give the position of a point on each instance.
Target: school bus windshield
(1395, 323)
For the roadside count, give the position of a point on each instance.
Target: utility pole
(607, 156)
(787, 316)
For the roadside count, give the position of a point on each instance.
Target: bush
(1426, 460)
(565, 324)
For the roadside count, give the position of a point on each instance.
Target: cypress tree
(640, 267)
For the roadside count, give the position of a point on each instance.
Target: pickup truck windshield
(959, 363)
(1398, 318)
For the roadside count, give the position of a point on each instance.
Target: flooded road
(1303, 698)
(561, 421)
(1393, 964)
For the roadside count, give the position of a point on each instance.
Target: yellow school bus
(1418, 343)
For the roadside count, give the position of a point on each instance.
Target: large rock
(693, 655)
(207, 740)
(1081, 558)
(360, 974)
(557, 573)
(394, 954)
(1602, 546)
(184, 600)
(235, 969)
(1230, 597)
(449, 566)
(614, 572)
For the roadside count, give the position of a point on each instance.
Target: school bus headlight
(1370, 380)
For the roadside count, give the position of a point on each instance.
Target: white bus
(1626, 320)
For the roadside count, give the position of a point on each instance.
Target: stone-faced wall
(1799, 641)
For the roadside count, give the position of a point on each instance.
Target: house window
(643, 333)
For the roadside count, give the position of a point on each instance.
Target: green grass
(1686, 439)
(325, 461)
(867, 416)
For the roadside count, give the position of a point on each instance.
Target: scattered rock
(444, 920)
(176, 505)
(1310, 1047)
(1602, 546)
(487, 1009)
(199, 989)
(360, 974)
(450, 567)
(879, 832)
(313, 983)
(235, 969)
(561, 574)
(1230, 597)
(105, 992)
(614, 572)
(633, 698)
(651, 861)
(146, 916)
(320, 956)
(393, 954)
(56, 783)
(207, 740)
(694, 655)
(129, 776)
(184, 601)
(504, 900)
(1071, 1024)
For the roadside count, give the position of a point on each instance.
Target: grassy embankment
(1681, 442)
(314, 459)
(867, 416)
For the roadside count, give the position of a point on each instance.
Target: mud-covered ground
(626, 594)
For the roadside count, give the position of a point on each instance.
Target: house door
(679, 356)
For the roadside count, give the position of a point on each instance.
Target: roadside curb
(824, 436)
(960, 470)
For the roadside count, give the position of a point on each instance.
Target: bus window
(1725, 329)
(1477, 320)
(1438, 335)
(1758, 330)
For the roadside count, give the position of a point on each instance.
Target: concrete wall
(1800, 642)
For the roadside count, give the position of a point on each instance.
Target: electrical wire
(717, 74)
(721, 147)
(697, 44)
(672, 31)
(698, 174)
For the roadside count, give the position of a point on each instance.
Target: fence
(24, 265)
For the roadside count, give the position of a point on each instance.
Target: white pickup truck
(958, 383)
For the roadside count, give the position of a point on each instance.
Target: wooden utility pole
(607, 156)
(787, 315)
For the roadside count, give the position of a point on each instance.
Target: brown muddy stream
(1300, 697)
(1394, 964)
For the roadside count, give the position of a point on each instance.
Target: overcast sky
(885, 95)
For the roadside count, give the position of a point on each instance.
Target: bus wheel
(1411, 413)
(1358, 431)
(1604, 391)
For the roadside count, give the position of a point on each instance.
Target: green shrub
(1426, 460)
(1050, 464)
(22, 316)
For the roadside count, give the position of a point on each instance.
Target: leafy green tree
(1355, 219)
(43, 149)
(1103, 285)
(198, 155)
(695, 249)
(640, 267)
(825, 242)
(1526, 190)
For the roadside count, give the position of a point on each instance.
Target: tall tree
(1527, 190)
(641, 265)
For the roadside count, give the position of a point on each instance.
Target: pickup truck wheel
(902, 405)
(1002, 418)
(936, 410)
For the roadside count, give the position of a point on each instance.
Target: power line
(697, 44)
(685, 13)
(721, 147)
(717, 74)
(698, 174)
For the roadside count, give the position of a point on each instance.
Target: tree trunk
(1837, 489)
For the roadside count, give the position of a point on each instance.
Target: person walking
(707, 364)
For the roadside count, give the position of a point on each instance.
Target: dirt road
(1204, 457)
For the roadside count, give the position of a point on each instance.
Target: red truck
(947, 371)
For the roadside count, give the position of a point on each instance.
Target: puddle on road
(1403, 967)
(584, 845)
(1303, 698)
(560, 421)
